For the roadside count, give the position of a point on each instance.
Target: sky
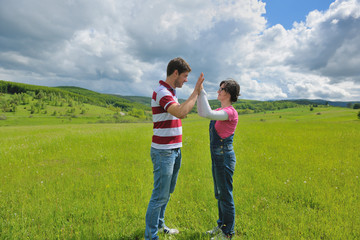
(275, 49)
(286, 12)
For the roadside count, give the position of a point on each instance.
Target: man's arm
(181, 110)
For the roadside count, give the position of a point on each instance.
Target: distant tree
(3, 87)
(138, 113)
(311, 109)
(40, 95)
(24, 99)
(358, 115)
(349, 105)
(356, 106)
(4, 105)
(32, 109)
(245, 111)
(31, 93)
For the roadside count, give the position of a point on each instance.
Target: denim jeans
(166, 163)
(223, 166)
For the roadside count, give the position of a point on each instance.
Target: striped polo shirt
(167, 128)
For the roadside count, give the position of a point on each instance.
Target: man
(166, 142)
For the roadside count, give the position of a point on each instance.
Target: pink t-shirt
(226, 128)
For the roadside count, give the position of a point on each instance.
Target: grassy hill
(80, 94)
(143, 100)
(349, 104)
(25, 104)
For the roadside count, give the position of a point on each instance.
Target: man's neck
(171, 82)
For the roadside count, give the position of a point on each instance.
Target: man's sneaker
(221, 236)
(169, 231)
(214, 231)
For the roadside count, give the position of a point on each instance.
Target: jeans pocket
(230, 161)
(167, 161)
(165, 152)
(162, 159)
(217, 150)
(228, 147)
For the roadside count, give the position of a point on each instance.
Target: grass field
(297, 177)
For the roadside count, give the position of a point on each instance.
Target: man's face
(181, 79)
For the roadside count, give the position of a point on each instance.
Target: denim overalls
(223, 166)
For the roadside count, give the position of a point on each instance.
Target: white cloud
(123, 47)
(308, 61)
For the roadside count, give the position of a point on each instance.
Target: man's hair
(178, 64)
(232, 87)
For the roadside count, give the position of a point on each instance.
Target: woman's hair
(178, 64)
(231, 87)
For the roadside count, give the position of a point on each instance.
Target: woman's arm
(204, 109)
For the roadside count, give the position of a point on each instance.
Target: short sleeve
(165, 99)
(232, 113)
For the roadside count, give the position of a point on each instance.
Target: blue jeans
(166, 163)
(223, 167)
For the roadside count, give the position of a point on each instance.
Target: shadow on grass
(139, 234)
(192, 236)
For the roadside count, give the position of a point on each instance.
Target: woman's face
(222, 94)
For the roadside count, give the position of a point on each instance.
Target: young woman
(222, 127)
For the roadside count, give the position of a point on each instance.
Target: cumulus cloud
(311, 60)
(123, 47)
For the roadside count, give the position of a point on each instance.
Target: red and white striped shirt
(167, 128)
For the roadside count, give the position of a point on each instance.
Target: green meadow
(297, 177)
